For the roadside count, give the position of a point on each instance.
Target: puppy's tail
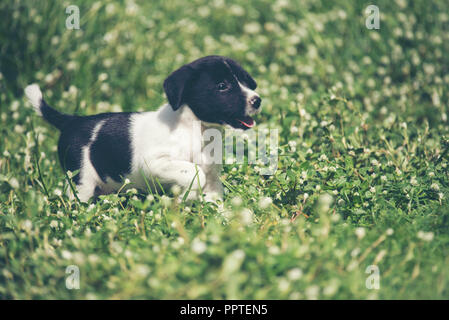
(54, 117)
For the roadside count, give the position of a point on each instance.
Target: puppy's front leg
(181, 173)
(214, 188)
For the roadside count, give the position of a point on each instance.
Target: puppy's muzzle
(255, 102)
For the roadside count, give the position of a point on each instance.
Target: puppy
(145, 147)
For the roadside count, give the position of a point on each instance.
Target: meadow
(357, 208)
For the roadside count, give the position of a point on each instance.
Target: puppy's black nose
(255, 102)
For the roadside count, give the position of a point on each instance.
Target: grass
(362, 175)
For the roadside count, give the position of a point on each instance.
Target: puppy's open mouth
(247, 121)
(244, 122)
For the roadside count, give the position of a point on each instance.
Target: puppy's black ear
(242, 74)
(250, 81)
(175, 85)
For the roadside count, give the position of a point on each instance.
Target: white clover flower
(325, 200)
(312, 292)
(360, 232)
(283, 285)
(331, 289)
(294, 274)
(252, 27)
(246, 216)
(355, 252)
(166, 201)
(426, 236)
(434, 186)
(198, 246)
(102, 77)
(233, 261)
(14, 183)
(274, 250)
(27, 225)
(66, 254)
(15, 105)
(236, 201)
(142, 270)
(180, 241)
(292, 145)
(323, 157)
(58, 192)
(19, 129)
(265, 202)
(176, 190)
(372, 190)
(93, 258)
(110, 9)
(72, 65)
(236, 10)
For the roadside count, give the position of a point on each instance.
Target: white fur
(165, 146)
(250, 94)
(89, 177)
(34, 96)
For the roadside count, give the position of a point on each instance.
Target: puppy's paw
(215, 198)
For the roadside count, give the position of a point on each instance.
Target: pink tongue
(248, 122)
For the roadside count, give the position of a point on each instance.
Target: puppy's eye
(222, 86)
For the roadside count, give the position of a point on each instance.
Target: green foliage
(362, 175)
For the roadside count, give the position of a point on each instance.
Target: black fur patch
(110, 152)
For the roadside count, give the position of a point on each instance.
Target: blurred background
(362, 176)
(125, 49)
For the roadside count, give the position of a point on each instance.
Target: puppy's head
(217, 89)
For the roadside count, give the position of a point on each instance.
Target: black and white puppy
(143, 146)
